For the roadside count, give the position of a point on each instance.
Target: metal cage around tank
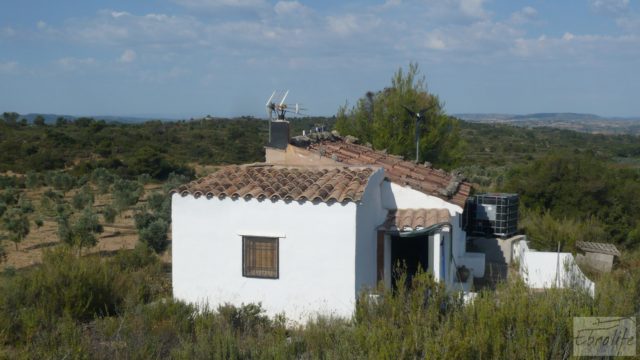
(492, 214)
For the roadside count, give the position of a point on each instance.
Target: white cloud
(127, 56)
(609, 7)
(174, 72)
(349, 24)
(524, 15)
(452, 30)
(291, 8)
(117, 14)
(7, 32)
(73, 63)
(577, 48)
(629, 22)
(435, 42)
(8, 67)
(41, 25)
(124, 29)
(473, 8)
(391, 3)
(203, 4)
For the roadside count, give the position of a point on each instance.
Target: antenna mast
(276, 104)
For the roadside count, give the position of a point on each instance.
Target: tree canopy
(382, 119)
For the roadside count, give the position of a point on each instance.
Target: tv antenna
(418, 115)
(276, 104)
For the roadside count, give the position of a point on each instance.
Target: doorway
(409, 254)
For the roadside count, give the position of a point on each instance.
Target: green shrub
(10, 196)
(33, 180)
(63, 182)
(109, 214)
(155, 235)
(143, 219)
(103, 179)
(25, 205)
(126, 193)
(67, 289)
(160, 204)
(83, 198)
(17, 224)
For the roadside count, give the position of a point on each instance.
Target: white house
(305, 237)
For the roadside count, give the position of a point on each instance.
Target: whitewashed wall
(317, 254)
(370, 215)
(541, 269)
(395, 196)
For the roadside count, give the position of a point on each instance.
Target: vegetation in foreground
(120, 307)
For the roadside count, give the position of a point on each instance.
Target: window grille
(260, 257)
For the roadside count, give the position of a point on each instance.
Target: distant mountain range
(571, 121)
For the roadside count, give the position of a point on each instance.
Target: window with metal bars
(260, 257)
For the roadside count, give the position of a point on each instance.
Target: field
(120, 235)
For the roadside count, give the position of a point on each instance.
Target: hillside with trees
(85, 242)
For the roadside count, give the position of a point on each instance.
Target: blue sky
(183, 58)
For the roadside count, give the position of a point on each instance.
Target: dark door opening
(409, 254)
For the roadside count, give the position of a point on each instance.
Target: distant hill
(51, 118)
(590, 123)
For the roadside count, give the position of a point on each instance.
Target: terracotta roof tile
(325, 184)
(415, 219)
(419, 177)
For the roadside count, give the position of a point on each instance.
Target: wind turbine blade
(409, 111)
(284, 98)
(270, 98)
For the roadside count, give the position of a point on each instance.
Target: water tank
(493, 214)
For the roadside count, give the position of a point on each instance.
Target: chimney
(279, 134)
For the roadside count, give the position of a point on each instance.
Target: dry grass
(120, 235)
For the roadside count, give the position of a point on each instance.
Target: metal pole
(417, 140)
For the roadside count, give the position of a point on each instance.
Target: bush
(83, 198)
(63, 182)
(109, 214)
(17, 224)
(103, 179)
(10, 196)
(25, 205)
(126, 193)
(33, 180)
(69, 289)
(155, 235)
(160, 204)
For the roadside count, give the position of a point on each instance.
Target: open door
(409, 254)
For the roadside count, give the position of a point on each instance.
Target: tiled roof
(415, 219)
(326, 184)
(602, 248)
(419, 177)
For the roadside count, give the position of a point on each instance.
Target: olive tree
(16, 223)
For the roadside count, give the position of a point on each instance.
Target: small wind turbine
(419, 115)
